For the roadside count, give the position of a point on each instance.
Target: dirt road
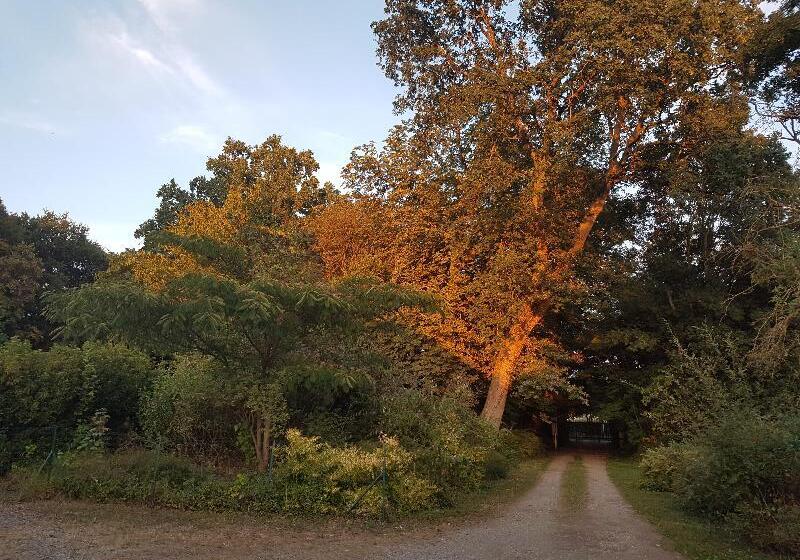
(535, 527)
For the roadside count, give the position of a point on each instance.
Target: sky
(103, 101)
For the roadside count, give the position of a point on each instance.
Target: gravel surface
(538, 528)
(535, 527)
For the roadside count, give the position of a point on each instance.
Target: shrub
(774, 526)
(745, 459)
(92, 435)
(190, 410)
(337, 404)
(319, 478)
(452, 445)
(661, 466)
(310, 477)
(497, 465)
(523, 444)
(746, 470)
(63, 387)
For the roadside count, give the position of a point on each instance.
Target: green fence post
(48, 461)
(271, 461)
(52, 455)
(385, 484)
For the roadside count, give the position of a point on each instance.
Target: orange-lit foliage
(268, 189)
(354, 238)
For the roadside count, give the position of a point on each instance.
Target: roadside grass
(572, 497)
(488, 500)
(492, 498)
(695, 538)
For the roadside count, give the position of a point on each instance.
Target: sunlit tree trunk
(506, 361)
(530, 317)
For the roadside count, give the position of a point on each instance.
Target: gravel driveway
(534, 527)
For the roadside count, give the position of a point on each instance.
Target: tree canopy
(523, 124)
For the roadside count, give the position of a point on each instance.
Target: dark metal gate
(582, 433)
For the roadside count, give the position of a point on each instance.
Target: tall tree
(240, 222)
(774, 68)
(704, 225)
(524, 120)
(40, 254)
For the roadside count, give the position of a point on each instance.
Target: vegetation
(744, 471)
(695, 537)
(40, 254)
(577, 214)
(573, 486)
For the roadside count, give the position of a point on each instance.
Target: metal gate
(579, 433)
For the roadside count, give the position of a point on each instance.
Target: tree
(173, 200)
(522, 125)
(702, 229)
(43, 253)
(774, 68)
(248, 329)
(68, 256)
(232, 277)
(242, 221)
(20, 276)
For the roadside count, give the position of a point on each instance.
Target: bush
(497, 465)
(746, 471)
(63, 387)
(661, 466)
(523, 444)
(774, 526)
(456, 449)
(310, 477)
(190, 411)
(746, 459)
(319, 478)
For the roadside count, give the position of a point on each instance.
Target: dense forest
(588, 208)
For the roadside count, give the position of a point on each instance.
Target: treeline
(576, 214)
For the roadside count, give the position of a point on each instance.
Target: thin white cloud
(195, 73)
(116, 35)
(195, 137)
(29, 121)
(163, 14)
(161, 52)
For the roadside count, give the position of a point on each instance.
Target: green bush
(310, 477)
(319, 478)
(745, 470)
(661, 466)
(497, 465)
(144, 476)
(64, 387)
(774, 526)
(191, 411)
(523, 444)
(745, 459)
(456, 449)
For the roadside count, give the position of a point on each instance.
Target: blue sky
(103, 101)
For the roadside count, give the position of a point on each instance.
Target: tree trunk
(502, 374)
(530, 317)
(506, 361)
(260, 431)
